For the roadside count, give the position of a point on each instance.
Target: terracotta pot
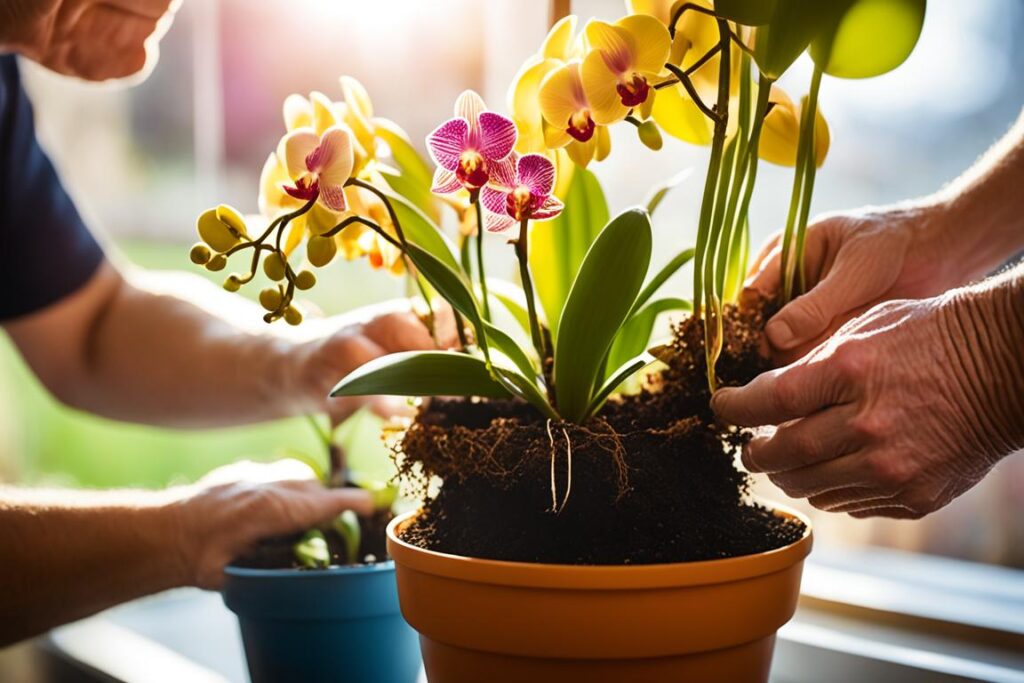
(487, 620)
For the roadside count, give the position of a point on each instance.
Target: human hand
(236, 506)
(902, 410)
(91, 39)
(344, 344)
(854, 261)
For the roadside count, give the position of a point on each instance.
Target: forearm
(68, 554)
(984, 329)
(982, 211)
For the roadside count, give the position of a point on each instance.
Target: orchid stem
(475, 199)
(522, 252)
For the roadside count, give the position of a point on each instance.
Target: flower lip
(472, 170)
(634, 92)
(305, 188)
(581, 126)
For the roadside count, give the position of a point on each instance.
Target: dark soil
(276, 553)
(652, 477)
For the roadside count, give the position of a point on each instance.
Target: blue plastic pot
(337, 624)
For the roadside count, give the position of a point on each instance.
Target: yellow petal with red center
(678, 116)
(652, 42)
(617, 44)
(293, 150)
(600, 84)
(524, 103)
(555, 138)
(298, 112)
(561, 97)
(324, 114)
(559, 41)
(272, 198)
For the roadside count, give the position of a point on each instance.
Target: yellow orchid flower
(781, 132)
(380, 253)
(568, 116)
(624, 62)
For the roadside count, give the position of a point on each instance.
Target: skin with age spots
(896, 395)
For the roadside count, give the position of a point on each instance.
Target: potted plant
(582, 517)
(324, 602)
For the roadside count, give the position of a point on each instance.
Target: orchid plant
(583, 310)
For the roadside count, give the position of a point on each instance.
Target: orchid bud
(233, 283)
(200, 254)
(273, 266)
(270, 298)
(305, 279)
(292, 315)
(222, 228)
(320, 250)
(650, 135)
(216, 262)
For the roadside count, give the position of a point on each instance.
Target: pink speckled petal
(333, 197)
(503, 173)
(549, 208)
(469, 106)
(447, 143)
(497, 135)
(445, 182)
(494, 200)
(538, 173)
(498, 223)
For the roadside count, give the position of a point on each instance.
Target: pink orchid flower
(318, 165)
(528, 194)
(468, 148)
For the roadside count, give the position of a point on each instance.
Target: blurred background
(143, 162)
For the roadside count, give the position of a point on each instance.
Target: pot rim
(309, 574)
(590, 577)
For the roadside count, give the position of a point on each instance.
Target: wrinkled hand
(91, 39)
(894, 416)
(236, 506)
(854, 261)
(364, 335)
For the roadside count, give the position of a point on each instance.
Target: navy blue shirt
(46, 252)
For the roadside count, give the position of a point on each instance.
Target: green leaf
(793, 25)
(621, 374)
(422, 232)
(600, 299)
(347, 526)
(747, 12)
(526, 389)
(318, 465)
(658, 192)
(667, 271)
(558, 246)
(871, 38)
(635, 335)
(421, 373)
(450, 284)
(416, 176)
(500, 340)
(311, 551)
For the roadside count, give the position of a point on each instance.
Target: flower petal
(651, 39)
(298, 112)
(332, 160)
(558, 42)
(537, 173)
(502, 174)
(324, 113)
(332, 196)
(582, 153)
(498, 223)
(445, 182)
(272, 199)
(550, 208)
(469, 106)
(495, 201)
(677, 115)
(497, 135)
(562, 95)
(599, 84)
(604, 143)
(447, 143)
(356, 97)
(294, 148)
(524, 103)
(616, 46)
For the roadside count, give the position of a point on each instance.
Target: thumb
(810, 315)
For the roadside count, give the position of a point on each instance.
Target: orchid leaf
(311, 551)
(662, 276)
(526, 389)
(424, 233)
(450, 284)
(621, 374)
(747, 12)
(792, 27)
(512, 298)
(422, 373)
(870, 38)
(558, 246)
(635, 335)
(347, 526)
(601, 297)
(416, 176)
(500, 340)
(659, 192)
